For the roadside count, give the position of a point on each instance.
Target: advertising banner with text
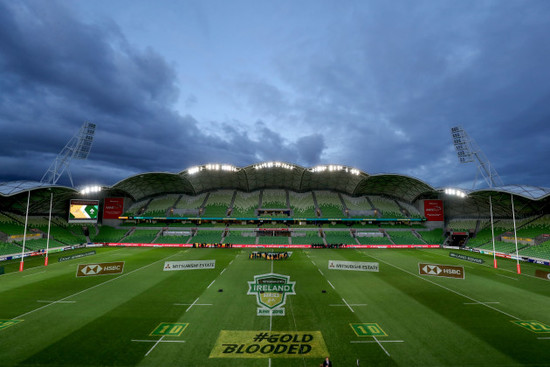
(113, 208)
(433, 210)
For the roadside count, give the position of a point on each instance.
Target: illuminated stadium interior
(328, 204)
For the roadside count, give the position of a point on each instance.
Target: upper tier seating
(302, 204)
(218, 203)
(388, 207)
(245, 204)
(330, 204)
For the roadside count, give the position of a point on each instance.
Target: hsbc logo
(91, 269)
(431, 269)
(86, 270)
(448, 271)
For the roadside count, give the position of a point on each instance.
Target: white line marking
(442, 286)
(230, 263)
(192, 304)
(505, 276)
(270, 321)
(153, 347)
(30, 275)
(222, 271)
(158, 341)
(211, 284)
(351, 304)
(52, 264)
(381, 346)
(377, 341)
(45, 301)
(312, 262)
(95, 286)
(480, 303)
(543, 337)
(269, 365)
(487, 266)
(331, 284)
(320, 272)
(347, 304)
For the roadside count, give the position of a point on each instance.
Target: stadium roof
(16, 187)
(280, 175)
(273, 175)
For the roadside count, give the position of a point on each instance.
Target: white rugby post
(493, 232)
(49, 226)
(515, 234)
(22, 263)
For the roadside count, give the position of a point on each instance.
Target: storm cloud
(374, 85)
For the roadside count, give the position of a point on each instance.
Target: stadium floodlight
(335, 168)
(212, 167)
(467, 150)
(90, 190)
(455, 192)
(274, 165)
(77, 148)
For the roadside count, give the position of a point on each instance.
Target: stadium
(273, 264)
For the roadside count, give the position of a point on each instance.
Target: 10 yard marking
(169, 329)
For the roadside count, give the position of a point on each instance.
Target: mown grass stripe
(94, 286)
(446, 288)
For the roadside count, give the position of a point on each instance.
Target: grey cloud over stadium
(374, 85)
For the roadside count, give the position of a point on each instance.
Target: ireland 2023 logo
(271, 291)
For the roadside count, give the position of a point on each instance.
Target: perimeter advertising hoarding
(83, 211)
(113, 208)
(113, 244)
(433, 210)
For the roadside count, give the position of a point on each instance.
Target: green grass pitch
(150, 317)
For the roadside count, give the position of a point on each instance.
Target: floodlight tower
(467, 151)
(77, 148)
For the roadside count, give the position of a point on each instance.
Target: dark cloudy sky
(375, 85)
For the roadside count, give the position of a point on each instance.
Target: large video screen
(83, 211)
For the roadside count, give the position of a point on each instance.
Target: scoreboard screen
(83, 211)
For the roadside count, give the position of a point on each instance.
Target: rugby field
(204, 317)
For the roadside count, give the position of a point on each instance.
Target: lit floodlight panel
(335, 168)
(212, 167)
(274, 165)
(83, 211)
